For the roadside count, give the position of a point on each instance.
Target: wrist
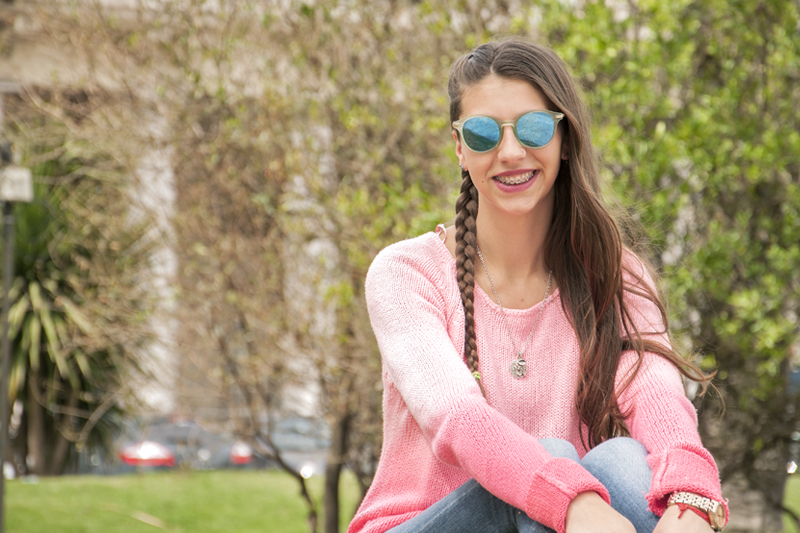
(712, 511)
(684, 507)
(583, 500)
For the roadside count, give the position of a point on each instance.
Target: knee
(560, 448)
(618, 457)
(620, 464)
(616, 450)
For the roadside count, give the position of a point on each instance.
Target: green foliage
(41, 309)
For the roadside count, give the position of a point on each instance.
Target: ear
(460, 151)
(564, 149)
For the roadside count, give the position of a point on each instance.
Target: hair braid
(466, 246)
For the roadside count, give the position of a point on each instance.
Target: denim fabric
(620, 464)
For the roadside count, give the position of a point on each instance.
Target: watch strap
(705, 507)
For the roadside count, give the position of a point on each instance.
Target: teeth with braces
(515, 180)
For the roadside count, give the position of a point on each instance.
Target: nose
(510, 148)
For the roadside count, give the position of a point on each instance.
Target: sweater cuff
(682, 470)
(554, 487)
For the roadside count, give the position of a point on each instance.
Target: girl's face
(512, 179)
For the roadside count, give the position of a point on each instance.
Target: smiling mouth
(516, 179)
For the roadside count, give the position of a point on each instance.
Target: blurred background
(212, 179)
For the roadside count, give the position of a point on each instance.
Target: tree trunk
(60, 452)
(36, 427)
(63, 445)
(333, 471)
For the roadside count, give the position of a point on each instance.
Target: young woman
(529, 382)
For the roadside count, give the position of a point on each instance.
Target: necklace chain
(519, 362)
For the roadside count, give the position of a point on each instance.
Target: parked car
(184, 443)
(181, 443)
(147, 453)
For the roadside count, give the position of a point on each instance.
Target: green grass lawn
(183, 502)
(792, 501)
(180, 502)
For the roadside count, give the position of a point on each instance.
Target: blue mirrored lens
(481, 134)
(535, 129)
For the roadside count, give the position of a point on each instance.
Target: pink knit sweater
(439, 431)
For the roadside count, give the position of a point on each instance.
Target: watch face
(717, 516)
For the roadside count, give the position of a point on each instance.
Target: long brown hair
(584, 247)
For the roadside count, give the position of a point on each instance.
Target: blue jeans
(620, 465)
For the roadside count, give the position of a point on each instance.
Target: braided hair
(466, 246)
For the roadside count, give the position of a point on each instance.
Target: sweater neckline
(487, 300)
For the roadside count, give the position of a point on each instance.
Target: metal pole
(8, 276)
(5, 353)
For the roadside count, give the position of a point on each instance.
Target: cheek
(479, 165)
(554, 156)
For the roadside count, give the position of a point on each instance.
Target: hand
(589, 513)
(690, 522)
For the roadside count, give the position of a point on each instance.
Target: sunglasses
(534, 129)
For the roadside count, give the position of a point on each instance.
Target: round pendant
(519, 368)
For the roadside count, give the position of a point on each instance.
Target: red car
(147, 453)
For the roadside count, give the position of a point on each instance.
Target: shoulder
(421, 264)
(411, 277)
(425, 254)
(644, 306)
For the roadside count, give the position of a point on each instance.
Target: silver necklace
(519, 367)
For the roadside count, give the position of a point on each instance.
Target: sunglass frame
(458, 125)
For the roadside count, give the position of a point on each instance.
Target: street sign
(16, 184)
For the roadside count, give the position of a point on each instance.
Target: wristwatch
(714, 509)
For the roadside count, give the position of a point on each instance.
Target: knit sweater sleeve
(662, 417)
(409, 315)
